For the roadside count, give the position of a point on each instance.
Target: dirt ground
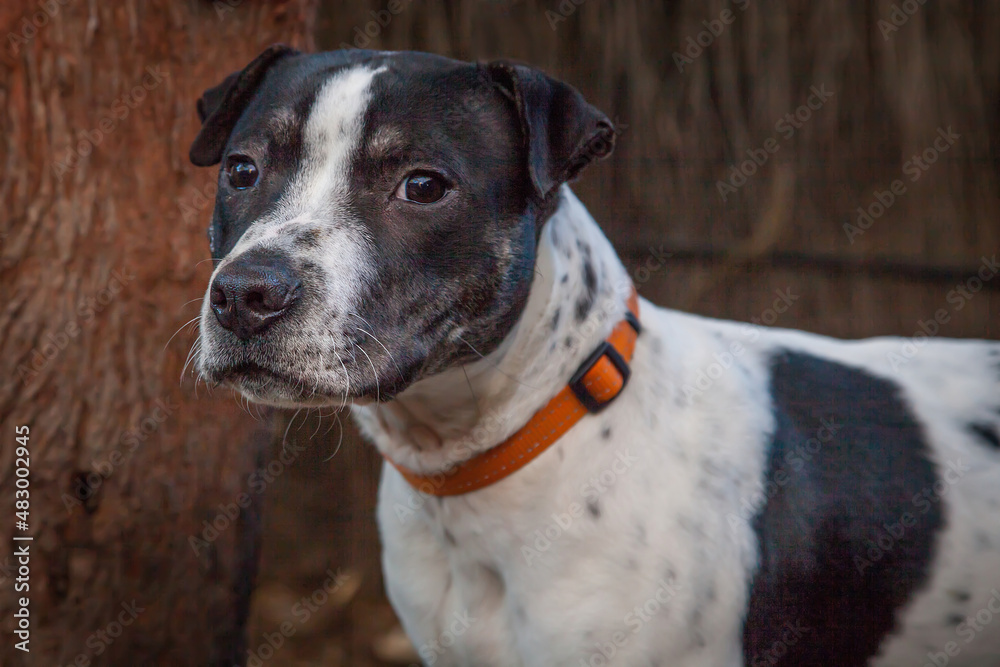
(319, 597)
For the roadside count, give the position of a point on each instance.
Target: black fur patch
(825, 593)
(434, 270)
(987, 433)
(583, 305)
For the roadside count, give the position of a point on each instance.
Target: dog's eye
(242, 172)
(422, 187)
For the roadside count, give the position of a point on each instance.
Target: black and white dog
(394, 232)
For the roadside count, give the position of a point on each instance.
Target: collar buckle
(576, 383)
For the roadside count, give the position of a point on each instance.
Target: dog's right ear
(220, 107)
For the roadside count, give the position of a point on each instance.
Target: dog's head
(376, 215)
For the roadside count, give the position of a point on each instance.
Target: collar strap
(598, 382)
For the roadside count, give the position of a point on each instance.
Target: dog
(395, 232)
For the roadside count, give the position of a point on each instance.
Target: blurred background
(830, 165)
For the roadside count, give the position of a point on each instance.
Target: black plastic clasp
(633, 322)
(576, 382)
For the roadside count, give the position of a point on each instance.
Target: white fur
(680, 464)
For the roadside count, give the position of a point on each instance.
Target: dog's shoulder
(864, 441)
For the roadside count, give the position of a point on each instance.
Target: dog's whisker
(192, 353)
(472, 391)
(378, 392)
(291, 421)
(198, 379)
(340, 440)
(347, 379)
(497, 366)
(319, 423)
(369, 333)
(188, 303)
(305, 417)
(181, 328)
(258, 407)
(333, 422)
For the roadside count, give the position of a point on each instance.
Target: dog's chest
(601, 550)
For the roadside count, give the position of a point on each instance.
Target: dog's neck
(577, 296)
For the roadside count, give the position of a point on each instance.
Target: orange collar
(598, 381)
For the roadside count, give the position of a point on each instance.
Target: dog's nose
(251, 293)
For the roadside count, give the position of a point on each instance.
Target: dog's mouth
(281, 388)
(294, 369)
(252, 372)
(270, 386)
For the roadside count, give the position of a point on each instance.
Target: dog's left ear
(562, 132)
(220, 107)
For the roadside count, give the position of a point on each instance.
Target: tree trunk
(102, 260)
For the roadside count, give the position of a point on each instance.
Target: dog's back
(878, 514)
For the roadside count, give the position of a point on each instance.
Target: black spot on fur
(987, 433)
(606, 432)
(450, 538)
(309, 238)
(583, 305)
(564, 279)
(555, 319)
(589, 279)
(953, 619)
(694, 625)
(814, 532)
(961, 596)
(568, 342)
(594, 509)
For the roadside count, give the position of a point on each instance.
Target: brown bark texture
(103, 258)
